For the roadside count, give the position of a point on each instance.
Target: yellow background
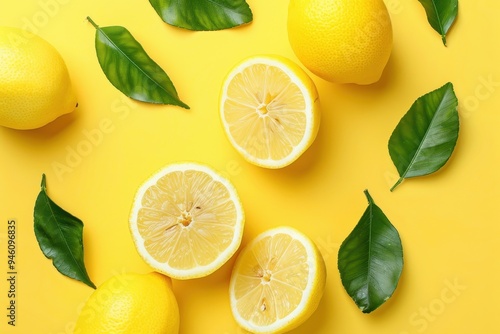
(448, 222)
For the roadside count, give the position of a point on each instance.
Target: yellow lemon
(187, 220)
(343, 41)
(131, 304)
(35, 87)
(269, 109)
(277, 281)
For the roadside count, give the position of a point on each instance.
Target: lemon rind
(200, 271)
(310, 98)
(308, 303)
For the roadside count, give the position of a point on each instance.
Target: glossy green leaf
(370, 260)
(203, 14)
(60, 237)
(129, 68)
(426, 136)
(441, 14)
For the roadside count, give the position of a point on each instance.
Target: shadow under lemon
(45, 133)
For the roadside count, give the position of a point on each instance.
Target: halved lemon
(277, 281)
(187, 220)
(269, 109)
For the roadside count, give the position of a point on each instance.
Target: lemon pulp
(269, 110)
(277, 281)
(187, 220)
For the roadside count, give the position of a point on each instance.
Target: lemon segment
(342, 41)
(131, 304)
(269, 108)
(35, 87)
(187, 220)
(277, 281)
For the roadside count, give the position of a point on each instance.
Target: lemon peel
(131, 303)
(342, 41)
(35, 86)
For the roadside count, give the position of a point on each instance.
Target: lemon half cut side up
(187, 220)
(269, 109)
(277, 281)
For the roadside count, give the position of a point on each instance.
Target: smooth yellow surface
(97, 157)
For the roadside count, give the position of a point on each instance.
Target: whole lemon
(35, 86)
(342, 41)
(131, 304)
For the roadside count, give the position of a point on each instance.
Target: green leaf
(426, 136)
(203, 14)
(370, 259)
(129, 68)
(441, 14)
(60, 237)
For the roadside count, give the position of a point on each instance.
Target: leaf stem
(368, 196)
(397, 183)
(43, 183)
(92, 22)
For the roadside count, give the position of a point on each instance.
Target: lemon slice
(269, 109)
(187, 220)
(277, 281)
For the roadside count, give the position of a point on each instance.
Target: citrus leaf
(425, 137)
(129, 68)
(203, 14)
(60, 237)
(370, 259)
(441, 14)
